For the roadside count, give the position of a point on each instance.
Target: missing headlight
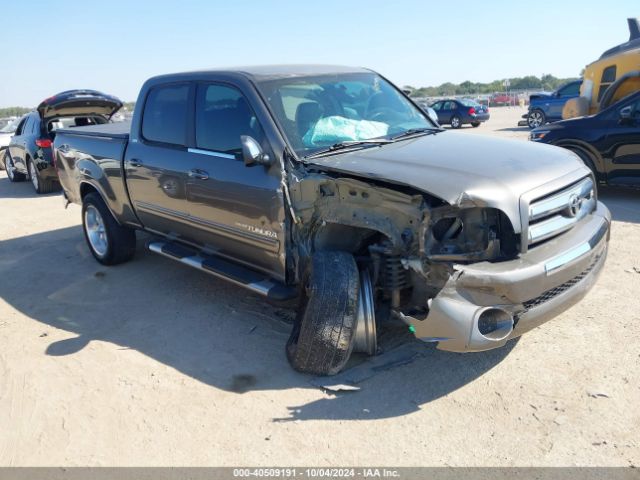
(448, 228)
(469, 234)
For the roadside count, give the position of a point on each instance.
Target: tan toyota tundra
(330, 186)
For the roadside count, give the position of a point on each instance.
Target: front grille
(559, 211)
(554, 292)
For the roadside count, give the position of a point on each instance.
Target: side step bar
(221, 268)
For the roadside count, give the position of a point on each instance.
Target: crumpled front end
(483, 305)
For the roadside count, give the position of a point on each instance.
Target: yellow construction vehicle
(613, 76)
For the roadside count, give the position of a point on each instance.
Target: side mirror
(625, 114)
(252, 152)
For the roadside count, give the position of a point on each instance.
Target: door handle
(134, 162)
(198, 174)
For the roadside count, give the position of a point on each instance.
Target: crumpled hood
(461, 168)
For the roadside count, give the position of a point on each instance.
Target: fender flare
(96, 187)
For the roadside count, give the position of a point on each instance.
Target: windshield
(317, 112)
(10, 127)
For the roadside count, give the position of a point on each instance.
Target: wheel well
(348, 238)
(587, 155)
(86, 189)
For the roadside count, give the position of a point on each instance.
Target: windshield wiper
(348, 144)
(416, 131)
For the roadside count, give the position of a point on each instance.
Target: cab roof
(273, 72)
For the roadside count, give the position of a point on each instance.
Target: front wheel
(323, 336)
(536, 118)
(109, 242)
(456, 122)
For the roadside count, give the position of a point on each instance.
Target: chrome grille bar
(560, 211)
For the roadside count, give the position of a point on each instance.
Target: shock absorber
(394, 274)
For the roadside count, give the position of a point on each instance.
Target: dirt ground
(152, 363)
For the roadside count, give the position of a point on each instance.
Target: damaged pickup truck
(327, 185)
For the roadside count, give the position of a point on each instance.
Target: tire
(456, 122)
(536, 118)
(3, 159)
(323, 335)
(40, 185)
(475, 124)
(12, 174)
(109, 243)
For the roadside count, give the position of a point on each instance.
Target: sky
(114, 45)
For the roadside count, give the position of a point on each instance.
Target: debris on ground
(598, 395)
(341, 387)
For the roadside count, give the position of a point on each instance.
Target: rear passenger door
(157, 165)
(236, 210)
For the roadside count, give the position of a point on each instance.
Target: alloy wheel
(34, 175)
(96, 233)
(535, 119)
(8, 165)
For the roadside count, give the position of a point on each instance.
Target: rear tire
(475, 124)
(40, 185)
(456, 122)
(12, 174)
(324, 332)
(109, 243)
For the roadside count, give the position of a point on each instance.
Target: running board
(221, 268)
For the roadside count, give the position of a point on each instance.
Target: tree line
(530, 82)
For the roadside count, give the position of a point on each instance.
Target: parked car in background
(608, 142)
(29, 154)
(327, 184)
(547, 107)
(502, 99)
(456, 112)
(6, 132)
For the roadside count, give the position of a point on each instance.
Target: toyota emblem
(575, 203)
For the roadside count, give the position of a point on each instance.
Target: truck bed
(111, 130)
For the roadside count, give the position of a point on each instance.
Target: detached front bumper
(517, 295)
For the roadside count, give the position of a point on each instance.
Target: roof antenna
(634, 28)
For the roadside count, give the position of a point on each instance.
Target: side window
(437, 106)
(223, 114)
(609, 74)
(570, 90)
(21, 126)
(608, 77)
(165, 114)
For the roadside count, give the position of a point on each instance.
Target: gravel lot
(152, 363)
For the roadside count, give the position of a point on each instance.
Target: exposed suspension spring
(394, 275)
